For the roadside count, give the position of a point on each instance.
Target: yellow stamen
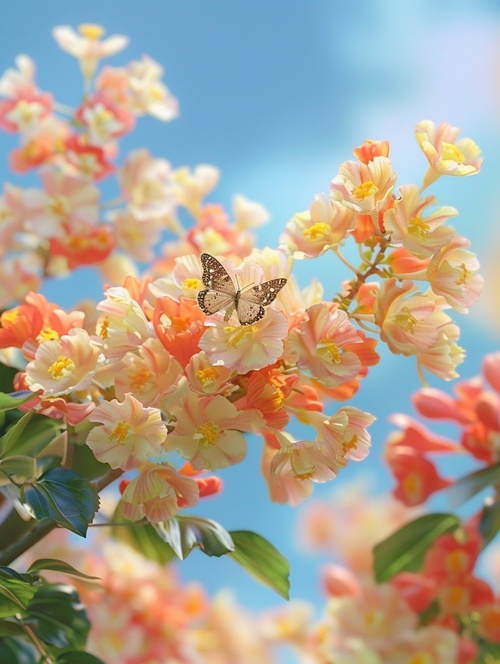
(317, 231)
(9, 317)
(103, 332)
(119, 433)
(191, 283)
(47, 334)
(351, 444)
(141, 379)
(330, 347)
(208, 375)
(61, 368)
(91, 31)
(364, 190)
(278, 400)
(237, 334)
(58, 205)
(452, 153)
(418, 227)
(412, 485)
(456, 561)
(464, 276)
(405, 320)
(207, 434)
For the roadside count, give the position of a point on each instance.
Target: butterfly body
(222, 294)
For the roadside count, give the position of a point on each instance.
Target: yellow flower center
(330, 348)
(351, 444)
(47, 334)
(412, 485)
(141, 379)
(450, 151)
(278, 400)
(464, 275)
(103, 332)
(91, 31)
(119, 433)
(9, 317)
(456, 561)
(237, 334)
(421, 658)
(61, 368)
(364, 190)
(191, 283)
(58, 206)
(317, 231)
(207, 434)
(405, 320)
(418, 227)
(208, 375)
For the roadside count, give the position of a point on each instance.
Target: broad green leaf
(471, 484)
(7, 375)
(405, 549)
(143, 538)
(87, 464)
(78, 657)
(14, 399)
(57, 566)
(65, 497)
(61, 618)
(10, 628)
(18, 469)
(16, 592)
(29, 435)
(16, 651)
(489, 653)
(262, 560)
(183, 533)
(489, 525)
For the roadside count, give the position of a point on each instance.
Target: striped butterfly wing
(250, 304)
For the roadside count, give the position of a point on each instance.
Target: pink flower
(130, 433)
(148, 93)
(20, 82)
(421, 235)
(64, 365)
(243, 348)
(87, 46)
(451, 273)
(325, 225)
(156, 492)
(208, 431)
(103, 119)
(325, 345)
(445, 154)
(344, 433)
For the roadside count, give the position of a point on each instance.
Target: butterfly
(221, 293)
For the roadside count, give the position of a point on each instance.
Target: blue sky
(276, 94)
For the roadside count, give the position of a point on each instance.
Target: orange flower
(371, 149)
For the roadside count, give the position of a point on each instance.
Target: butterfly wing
(215, 276)
(250, 304)
(211, 301)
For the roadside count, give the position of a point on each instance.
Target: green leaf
(7, 375)
(16, 591)
(87, 464)
(15, 651)
(57, 566)
(14, 399)
(9, 628)
(471, 484)
(78, 657)
(143, 538)
(60, 616)
(18, 469)
(489, 653)
(29, 435)
(65, 497)
(489, 525)
(183, 533)
(262, 560)
(405, 549)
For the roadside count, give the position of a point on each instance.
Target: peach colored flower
(248, 214)
(191, 187)
(324, 226)
(445, 354)
(208, 431)
(148, 373)
(451, 273)
(207, 378)
(103, 119)
(179, 326)
(148, 93)
(345, 434)
(431, 643)
(410, 322)
(324, 345)
(371, 149)
(65, 364)
(156, 492)
(445, 154)
(130, 433)
(20, 82)
(421, 235)
(25, 114)
(303, 460)
(135, 236)
(87, 46)
(285, 487)
(88, 161)
(416, 475)
(243, 348)
(364, 188)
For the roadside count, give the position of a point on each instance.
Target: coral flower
(130, 433)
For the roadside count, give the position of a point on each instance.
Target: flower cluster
(171, 390)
